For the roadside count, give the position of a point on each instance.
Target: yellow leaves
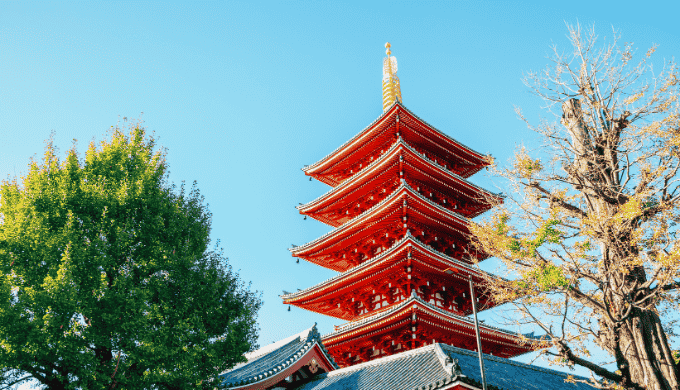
(590, 225)
(666, 104)
(524, 166)
(670, 260)
(651, 50)
(632, 99)
(581, 248)
(629, 210)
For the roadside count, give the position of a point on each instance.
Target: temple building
(399, 207)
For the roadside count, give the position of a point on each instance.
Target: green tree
(106, 278)
(590, 231)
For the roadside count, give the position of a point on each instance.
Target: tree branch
(670, 286)
(567, 353)
(571, 209)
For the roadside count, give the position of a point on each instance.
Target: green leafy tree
(106, 278)
(590, 230)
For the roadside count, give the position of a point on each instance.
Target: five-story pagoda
(400, 206)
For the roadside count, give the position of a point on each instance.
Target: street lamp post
(479, 339)
(474, 310)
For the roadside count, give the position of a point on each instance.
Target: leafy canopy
(106, 279)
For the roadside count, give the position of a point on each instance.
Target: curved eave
(377, 166)
(360, 221)
(480, 160)
(289, 367)
(337, 191)
(407, 308)
(475, 158)
(356, 140)
(360, 270)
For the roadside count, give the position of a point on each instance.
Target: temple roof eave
(451, 139)
(310, 169)
(406, 305)
(360, 219)
(392, 152)
(359, 269)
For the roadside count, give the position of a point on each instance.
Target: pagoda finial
(391, 88)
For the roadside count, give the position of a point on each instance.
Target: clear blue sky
(244, 94)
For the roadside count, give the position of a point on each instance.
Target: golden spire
(390, 83)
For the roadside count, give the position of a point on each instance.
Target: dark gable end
(299, 357)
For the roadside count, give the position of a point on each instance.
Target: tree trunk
(645, 347)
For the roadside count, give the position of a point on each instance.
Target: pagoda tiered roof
(380, 177)
(413, 323)
(389, 277)
(388, 221)
(364, 147)
(400, 208)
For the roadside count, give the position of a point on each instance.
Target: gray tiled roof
(507, 374)
(425, 368)
(272, 359)
(401, 371)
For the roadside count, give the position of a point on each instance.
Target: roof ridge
(381, 360)
(472, 321)
(353, 324)
(373, 260)
(278, 344)
(502, 360)
(378, 160)
(439, 131)
(383, 116)
(388, 199)
(305, 340)
(447, 170)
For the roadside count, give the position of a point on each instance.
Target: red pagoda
(400, 206)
